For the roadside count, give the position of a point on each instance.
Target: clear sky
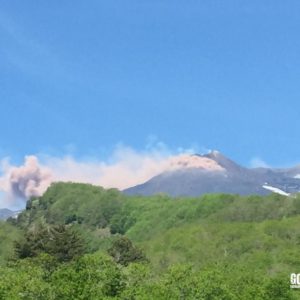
(84, 76)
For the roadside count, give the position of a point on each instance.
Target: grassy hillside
(224, 246)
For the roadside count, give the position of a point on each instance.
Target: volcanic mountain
(194, 175)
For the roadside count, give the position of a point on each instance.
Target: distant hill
(196, 175)
(6, 213)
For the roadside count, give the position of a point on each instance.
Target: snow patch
(275, 190)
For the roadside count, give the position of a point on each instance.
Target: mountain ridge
(227, 176)
(5, 213)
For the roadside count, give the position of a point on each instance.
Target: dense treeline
(97, 276)
(79, 241)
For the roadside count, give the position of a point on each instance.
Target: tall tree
(60, 241)
(124, 252)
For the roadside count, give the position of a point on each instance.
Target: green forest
(79, 241)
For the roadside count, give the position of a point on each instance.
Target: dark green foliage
(71, 219)
(28, 204)
(33, 243)
(65, 243)
(61, 241)
(124, 252)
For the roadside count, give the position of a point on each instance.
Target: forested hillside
(79, 241)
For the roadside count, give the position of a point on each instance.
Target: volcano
(196, 174)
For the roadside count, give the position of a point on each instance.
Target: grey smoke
(29, 180)
(125, 168)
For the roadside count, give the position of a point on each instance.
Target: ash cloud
(23, 182)
(30, 179)
(126, 167)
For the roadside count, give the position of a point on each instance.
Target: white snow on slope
(275, 190)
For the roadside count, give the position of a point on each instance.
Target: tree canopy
(79, 241)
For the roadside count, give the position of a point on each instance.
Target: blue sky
(81, 77)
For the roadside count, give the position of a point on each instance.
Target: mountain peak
(213, 154)
(223, 161)
(215, 173)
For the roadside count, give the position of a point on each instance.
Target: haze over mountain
(147, 174)
(194, 175)
(5, 213)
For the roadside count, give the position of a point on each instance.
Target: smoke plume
(125, 168)
(23, 182)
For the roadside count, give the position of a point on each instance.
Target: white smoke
(257, 162)
(125, 168)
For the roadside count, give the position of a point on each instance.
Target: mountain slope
(226, 177)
